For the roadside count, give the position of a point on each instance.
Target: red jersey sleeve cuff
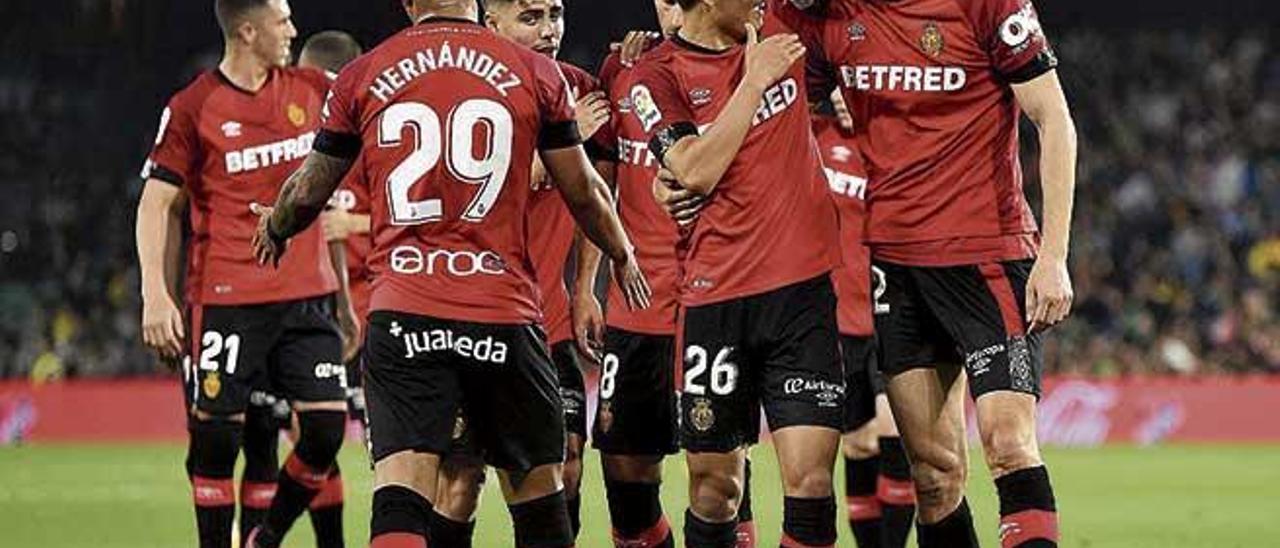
(161, 173)
(338, 145)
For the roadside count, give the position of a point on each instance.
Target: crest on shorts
(212, 385)
(297, 116)
(459, 427)
(701, 416)
(606, 416)
(931, 42)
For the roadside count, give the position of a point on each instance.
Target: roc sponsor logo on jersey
(481, 349)
(644, 107)
(411, 260)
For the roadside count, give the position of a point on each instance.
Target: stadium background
(1172, 357)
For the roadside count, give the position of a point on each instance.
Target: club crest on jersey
(231, 129)
(701, 416)
(644, 107)
(857, 32)
(297, 116)
(931, 42)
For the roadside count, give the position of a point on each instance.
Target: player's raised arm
(1049, 293)
(158, 234)
(301, 200)
(592, 205)
(699, 161)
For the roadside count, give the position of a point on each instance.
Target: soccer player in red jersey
(537, 25)
(447, 116)
(878, 489)
(730, 122)
(635, 425)
(225, 141)
(972, 284)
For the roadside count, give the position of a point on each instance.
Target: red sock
(656, 536)
(398, 540)
(746, 532)
(330, 493)
(1020, 527)
(863, 508)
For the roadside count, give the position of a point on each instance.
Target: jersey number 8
(489, 171)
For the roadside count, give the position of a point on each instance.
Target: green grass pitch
(118, 496)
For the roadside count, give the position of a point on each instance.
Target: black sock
(542, 523)
(305, 472)
(1028, 513)
(326, 512)
(896, 493)
(446, 533)
(809, 522)
(704, 534)
(574, 505)
(261, 468)
(401, 518)
(860, 496)
(954, 531)
(212, 453)
(746, 529)
(635, 510)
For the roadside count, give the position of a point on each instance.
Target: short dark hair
(229, 12)
(331, 49)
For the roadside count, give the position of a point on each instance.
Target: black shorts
(420, 371)
(636, 411)
(573, 388)
(862, 380)
(972, 315)
(291, 349)
(779, 350)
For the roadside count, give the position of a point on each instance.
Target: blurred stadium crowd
(1176, 246)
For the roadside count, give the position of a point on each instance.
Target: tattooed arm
(301, 200)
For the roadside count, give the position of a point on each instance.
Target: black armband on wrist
(667, 137)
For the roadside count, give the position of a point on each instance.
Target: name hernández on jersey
(445, 56)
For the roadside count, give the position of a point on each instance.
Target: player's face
(670, 16)
(273, 32)
(733, 15)
(536, 24)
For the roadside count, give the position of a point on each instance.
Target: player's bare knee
(416, 471)
(714, 494)
(632, 468)
(1009, 449)
(814, 482)
(861, 444)
(524, 486)
(938, 491)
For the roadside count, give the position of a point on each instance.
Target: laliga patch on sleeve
(644, 107)
(1020, 27)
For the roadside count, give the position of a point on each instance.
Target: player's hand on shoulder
(1049, 293)
(682, 205)
(588, 325)
(592, 113)
(162, 326)
(627, 274)
(266, 249)
(769, 60)
(634, 45)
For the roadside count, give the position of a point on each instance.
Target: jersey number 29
(431, 143)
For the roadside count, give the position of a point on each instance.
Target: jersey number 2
(489, 171)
